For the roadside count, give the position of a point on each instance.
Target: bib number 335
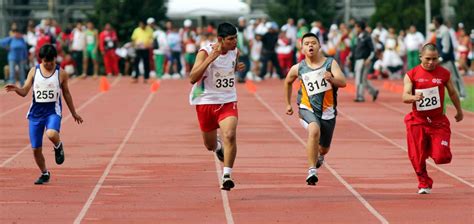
(224, 80)
(315, 83)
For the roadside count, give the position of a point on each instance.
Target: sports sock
(57, 146)
(312, 170)
(227, 170)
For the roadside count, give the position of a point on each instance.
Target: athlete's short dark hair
(429, 46)
(48, 52)
(439, 19)
(226, 29)
(309, 35)
(361, 24)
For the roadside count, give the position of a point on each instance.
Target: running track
(139, 158)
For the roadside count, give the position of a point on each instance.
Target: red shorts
(209, 115)
(428, 138)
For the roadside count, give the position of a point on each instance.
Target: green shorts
(189, 58)
(91, 52)
(326, 127)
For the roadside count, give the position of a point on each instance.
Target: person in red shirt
(107, 43)
(428, 128)
(42, 40)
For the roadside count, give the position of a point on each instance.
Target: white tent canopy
(182, 9)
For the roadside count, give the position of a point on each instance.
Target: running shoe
(376, 94)
(220, 151)
(312, 178)
(320, 161)
(227, 182)
(59, 154)
(44, 178)
(425, 190)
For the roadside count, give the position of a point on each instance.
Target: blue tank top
(46, 95)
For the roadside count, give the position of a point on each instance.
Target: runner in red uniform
(428, 131)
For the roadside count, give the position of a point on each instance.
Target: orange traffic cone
(104, 85)
(155, 86)
(250, 86)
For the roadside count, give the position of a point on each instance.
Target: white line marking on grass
(333, 172)
(97, 187)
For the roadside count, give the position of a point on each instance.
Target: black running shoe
(312, 179)
(320, 161)
(220, 152)
(59, 154)
(376, 94)
(227, 182)
(44, 178)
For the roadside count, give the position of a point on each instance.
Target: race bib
(46, 94)
(315, 83)
(90, 39)
(110, 44)
(224, 79)
(430, 101)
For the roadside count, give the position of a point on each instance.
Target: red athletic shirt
(432, 83)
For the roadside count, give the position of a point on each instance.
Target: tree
(464, 14)
(124, 15)
(400, 14)
(310, 10)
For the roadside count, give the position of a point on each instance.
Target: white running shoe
(426, 190)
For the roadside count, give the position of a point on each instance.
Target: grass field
(468, 103)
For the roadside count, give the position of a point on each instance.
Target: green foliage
(400, 14)
(466, 104)
(124, 15)
(310, 10)
(464, 14)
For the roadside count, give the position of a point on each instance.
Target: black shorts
(326, 127)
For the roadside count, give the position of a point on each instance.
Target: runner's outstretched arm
(407, 95)
(453, 94)
(23, 91)
(68, 97)
(290, 78)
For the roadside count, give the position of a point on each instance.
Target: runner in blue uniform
(49, 82)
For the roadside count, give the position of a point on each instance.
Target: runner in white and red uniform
(215, 96)
(428, 131)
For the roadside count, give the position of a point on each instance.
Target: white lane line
(333, 172)
(225, 198)
(4, 163)
(404, 149)
(97, 187)
(404, 112)
(23, 104)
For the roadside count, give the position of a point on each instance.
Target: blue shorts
(38, 125)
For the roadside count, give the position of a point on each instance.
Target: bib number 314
(315, 83)
(431, 99)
